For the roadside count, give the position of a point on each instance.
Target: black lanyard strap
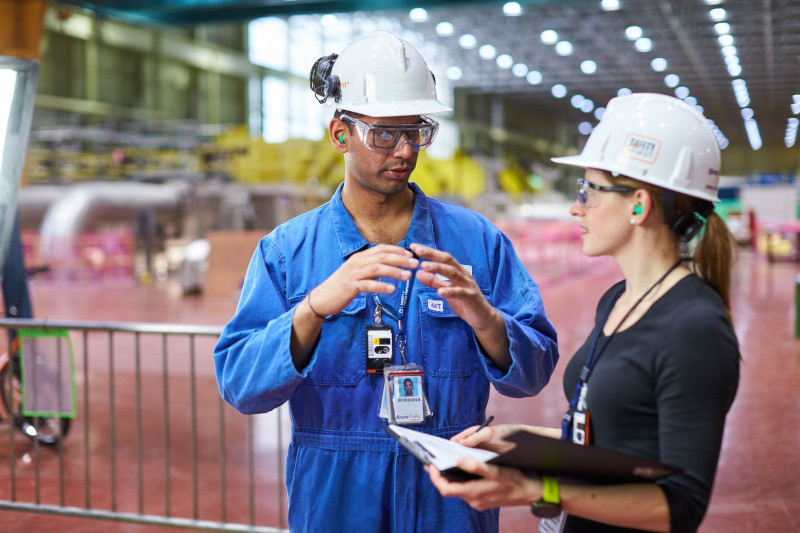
(586, 371)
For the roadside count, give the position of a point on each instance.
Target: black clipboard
(537, 455)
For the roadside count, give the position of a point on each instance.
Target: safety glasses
(384, 137)
(585, 198)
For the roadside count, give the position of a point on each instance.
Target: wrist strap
(550, 490)
(549, 505)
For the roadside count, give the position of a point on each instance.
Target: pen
(485, 423)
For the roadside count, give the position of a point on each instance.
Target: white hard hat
(656, 139)
(378, 75)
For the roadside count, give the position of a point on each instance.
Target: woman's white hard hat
(656, 139)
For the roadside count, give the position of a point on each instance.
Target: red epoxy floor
(758, 483)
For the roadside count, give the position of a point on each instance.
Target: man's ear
(339, 134)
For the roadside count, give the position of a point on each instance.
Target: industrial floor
(758, 484)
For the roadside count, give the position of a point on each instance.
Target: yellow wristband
(550, 490)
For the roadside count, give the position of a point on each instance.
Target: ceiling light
(725, 40)
(576, 100)
(588, 67)
(795, 107)
(504, 61)
(712, 2)
(791, 132)
(691, 100)
(753, 135)
(585, 128)
(520, 70)
(681, 92)
(643, 44)
(722, 28)
(624, 92)
(659, 64)
(467, 41)
(728, 51)
(671, 80)
(418, 14)
(609, 5)
(734, 70)
(558, 90)
(587, 106)
(549, 37)
(599, 112)
(731, 60)
(454, 73)
(487, 51)
(564, 48)
(747, 113)
(718, 14)
(534, 77)
(633, 32)
(329, 20)
(444, 29)
(512, 9)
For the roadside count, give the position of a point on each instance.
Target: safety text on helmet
(641, 148)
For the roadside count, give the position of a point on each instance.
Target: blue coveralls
(343, 472)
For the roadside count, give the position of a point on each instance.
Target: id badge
(553, 525)
(404, 400)
(379, 348)
(580, 428)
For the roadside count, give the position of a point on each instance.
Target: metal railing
(152, 441)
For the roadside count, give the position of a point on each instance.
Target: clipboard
(536, 456)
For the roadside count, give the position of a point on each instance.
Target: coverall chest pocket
(340, 355)
(448, 345)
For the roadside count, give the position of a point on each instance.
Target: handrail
(130, 327)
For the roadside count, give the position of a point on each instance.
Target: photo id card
(403, 400)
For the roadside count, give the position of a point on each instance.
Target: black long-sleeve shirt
(661, 389)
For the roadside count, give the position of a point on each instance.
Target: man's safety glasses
(384, 137)
(584, 197)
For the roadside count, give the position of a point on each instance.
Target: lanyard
(380, 308)
(578, 400)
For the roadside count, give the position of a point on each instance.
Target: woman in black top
(659, 371)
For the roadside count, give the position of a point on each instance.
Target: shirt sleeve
(252, 358)
(532, 337)
(698, 376)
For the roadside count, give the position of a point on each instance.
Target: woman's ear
(643, 204)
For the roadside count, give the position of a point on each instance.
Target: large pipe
(70, 214)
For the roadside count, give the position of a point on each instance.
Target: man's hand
(360, 273)
(466, 300)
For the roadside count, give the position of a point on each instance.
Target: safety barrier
(152, 442)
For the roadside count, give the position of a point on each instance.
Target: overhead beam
(188, 12)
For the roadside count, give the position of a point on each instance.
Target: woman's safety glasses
(585, 198)
(384, 137)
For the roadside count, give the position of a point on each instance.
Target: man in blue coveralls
(381, 275)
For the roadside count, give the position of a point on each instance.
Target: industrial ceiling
(740, 59)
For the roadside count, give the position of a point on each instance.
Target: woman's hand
(489, 438)
(497, 486)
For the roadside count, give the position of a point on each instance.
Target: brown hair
(714, 252)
